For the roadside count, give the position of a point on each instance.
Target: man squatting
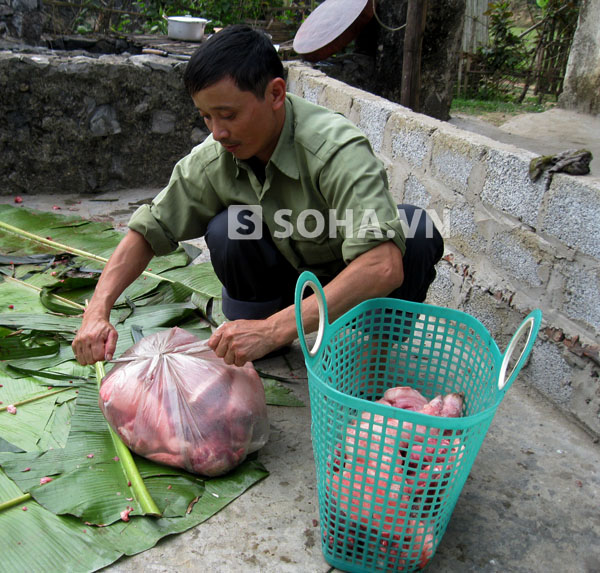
(278, 151)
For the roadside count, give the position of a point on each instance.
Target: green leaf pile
(85, 514)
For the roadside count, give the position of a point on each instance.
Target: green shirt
(324, 198)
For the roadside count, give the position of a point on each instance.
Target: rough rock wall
(511, 244)
(582, 81)
(21, 19)
(85, 124)
(376, 64)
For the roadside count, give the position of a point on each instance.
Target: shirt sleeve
(354, 183)
(182, 210)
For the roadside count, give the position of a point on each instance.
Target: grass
(496, 111)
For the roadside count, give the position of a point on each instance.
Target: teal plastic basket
(388, 478)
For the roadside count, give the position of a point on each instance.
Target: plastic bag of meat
(172, 400)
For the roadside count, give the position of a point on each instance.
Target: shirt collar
(284, 156)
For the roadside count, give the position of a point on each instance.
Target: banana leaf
(27, 260)
(21, 298)
(63, 379)
(37, 540)
(214, 311)
(192, 251)
(98, 238)
(279, 395)
(42, 421)
(64, 435)
(164, 293)
(28, 287)
(94, 237)
(8, 447)
(48, 357)
(67, 374)
(42, 322)
(89, 469)
(23, 267)
(200, 278)
(64, 354)
(76, 289)
(15, 346)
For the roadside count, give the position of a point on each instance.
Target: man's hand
(96, 340)
(242, 341)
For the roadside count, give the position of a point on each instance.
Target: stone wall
(84, 123)
(511, 244)
(21, 19)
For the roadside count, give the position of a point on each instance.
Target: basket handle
(308, 279)
(533, 321)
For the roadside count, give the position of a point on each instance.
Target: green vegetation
(219, 12)
(497, 111)
(481, 106)
(149, 16)
(521, 69)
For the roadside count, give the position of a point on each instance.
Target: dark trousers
(258, 281)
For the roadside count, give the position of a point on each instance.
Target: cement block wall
(511, 244)
(77, 123)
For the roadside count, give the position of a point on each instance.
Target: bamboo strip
(38, 289)
(138, 487)
(34, 398)
(15, 501)
(67, 249)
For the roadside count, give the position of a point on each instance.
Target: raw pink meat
(433, 408)
(452, 406)
(177, 403)
(404, 397)
(384, 474)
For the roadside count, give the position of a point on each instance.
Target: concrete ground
(546, 133)
(530, 504)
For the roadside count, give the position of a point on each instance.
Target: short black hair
(240, 52)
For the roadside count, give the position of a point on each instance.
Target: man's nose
(219, 131)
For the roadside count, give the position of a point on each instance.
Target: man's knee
(228, 248)
(216, 231)
(246, 266)
(424, 248)
(421, 230)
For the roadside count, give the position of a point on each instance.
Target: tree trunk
(377, 62)
(411, 62)
(439, 54)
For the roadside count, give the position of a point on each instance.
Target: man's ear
(276, 90)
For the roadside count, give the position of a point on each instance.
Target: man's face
(243, 124)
